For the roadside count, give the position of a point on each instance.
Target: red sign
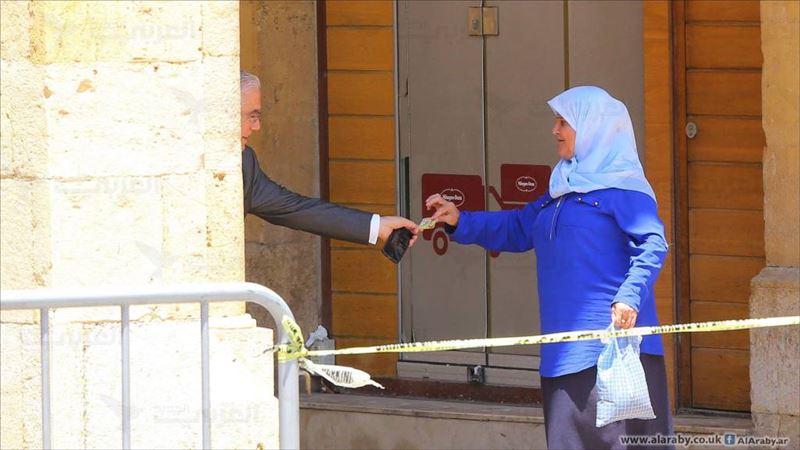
(519, 184)
(466, 191)
(523, 182)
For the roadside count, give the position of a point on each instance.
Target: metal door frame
(442, 363)
(402, 197)
(404, 209)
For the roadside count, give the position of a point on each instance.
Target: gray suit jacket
(280, 206)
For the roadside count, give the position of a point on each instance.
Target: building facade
(120, 165)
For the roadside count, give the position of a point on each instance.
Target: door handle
(691, 130)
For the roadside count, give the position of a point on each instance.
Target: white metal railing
(45, 299)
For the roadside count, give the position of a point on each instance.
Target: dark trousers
(570, 410)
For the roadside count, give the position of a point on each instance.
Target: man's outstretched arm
(280, 206)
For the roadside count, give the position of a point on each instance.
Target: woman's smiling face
(565, 136)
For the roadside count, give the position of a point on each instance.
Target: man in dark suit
(280, 206)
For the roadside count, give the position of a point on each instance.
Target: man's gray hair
(248, 81)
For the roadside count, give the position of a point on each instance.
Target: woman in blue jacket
(600, 246)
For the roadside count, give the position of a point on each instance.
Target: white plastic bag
(339, 375)
(621, 384)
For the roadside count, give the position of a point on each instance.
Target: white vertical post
(204, 363)
(44, 340)
(126, 376)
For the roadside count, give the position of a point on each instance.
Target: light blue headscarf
(605, 147)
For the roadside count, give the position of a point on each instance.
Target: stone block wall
(120, 166)
(279, 45)
(774, 363)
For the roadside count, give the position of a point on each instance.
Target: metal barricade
(45, 299)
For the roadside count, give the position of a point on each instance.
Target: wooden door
(720, 214)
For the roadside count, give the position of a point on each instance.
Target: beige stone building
(120, 166)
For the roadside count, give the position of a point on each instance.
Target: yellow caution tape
(296, 348)
(568, 336)
(349, 377)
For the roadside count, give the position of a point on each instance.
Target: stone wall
(774, 362)
(780, 44)
(120, 165)
(279, 44)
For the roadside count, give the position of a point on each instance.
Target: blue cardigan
(592, 250)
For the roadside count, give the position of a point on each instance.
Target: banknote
(427, 224)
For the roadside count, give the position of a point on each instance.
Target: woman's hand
(623, 315)
(445, 211)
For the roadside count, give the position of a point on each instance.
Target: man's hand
(445, 211)
(391, 223)
(623, 315)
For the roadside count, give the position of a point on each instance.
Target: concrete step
(346, 421)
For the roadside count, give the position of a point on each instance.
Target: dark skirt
(570, 410)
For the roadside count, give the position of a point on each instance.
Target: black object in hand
(397, 244)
